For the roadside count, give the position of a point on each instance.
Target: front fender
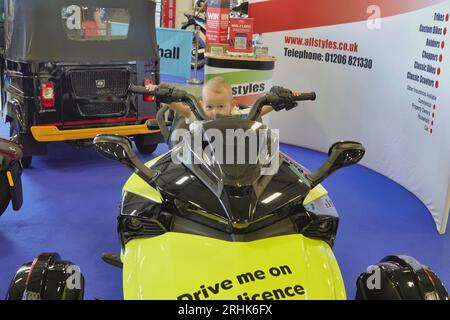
(189, 267)
(14, 175)
(10, 155)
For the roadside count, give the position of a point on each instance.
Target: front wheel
(5, 195)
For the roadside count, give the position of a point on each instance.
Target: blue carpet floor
(72, 195)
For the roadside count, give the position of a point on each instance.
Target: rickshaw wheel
(5, 196)
(144, 148)
(14, 131)
(26, 161)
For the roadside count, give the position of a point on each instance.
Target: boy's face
(217, 103)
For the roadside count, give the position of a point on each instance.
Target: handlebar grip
(140, 90)
(305, 96)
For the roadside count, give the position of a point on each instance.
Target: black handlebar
(169, 95)
(305, 96)
(280, 99)
(165, 94)
(140, 90)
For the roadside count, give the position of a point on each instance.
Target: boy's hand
(151, 87)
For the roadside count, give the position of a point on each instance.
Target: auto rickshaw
(66, 69)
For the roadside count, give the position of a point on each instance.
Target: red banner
(241, 35)
(281, 15)
(218, 15)
(169, 13)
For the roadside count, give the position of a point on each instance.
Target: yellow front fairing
(183, 266)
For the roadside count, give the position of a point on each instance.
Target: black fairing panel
(400, 278)
(46, 278)
(189, 207)
(248, 203)
(142, 218)
(17, 286)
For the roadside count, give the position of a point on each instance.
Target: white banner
(383, 82)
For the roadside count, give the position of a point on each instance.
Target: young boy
(217, 99)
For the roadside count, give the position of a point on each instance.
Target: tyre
(13, 133)
(5, 195)
(146, 149)
(142, 147)
(13, 129)
(26, 161)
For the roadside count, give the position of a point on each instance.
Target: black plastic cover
(46, 278)
(400, 278)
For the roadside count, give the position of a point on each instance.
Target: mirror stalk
(119, 148)
(340, 155)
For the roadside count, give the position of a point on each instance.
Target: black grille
(102, 109)
(144, 229)
(152, 228)
(323, 228)
(99, 83)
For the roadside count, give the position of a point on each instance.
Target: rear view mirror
(340, 155)
(346, 153)
(114, 147)
(119, 148)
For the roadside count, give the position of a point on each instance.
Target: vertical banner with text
(381, 70)
(175, 48)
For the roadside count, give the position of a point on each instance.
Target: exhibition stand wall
(381, 72)
(250, 77)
